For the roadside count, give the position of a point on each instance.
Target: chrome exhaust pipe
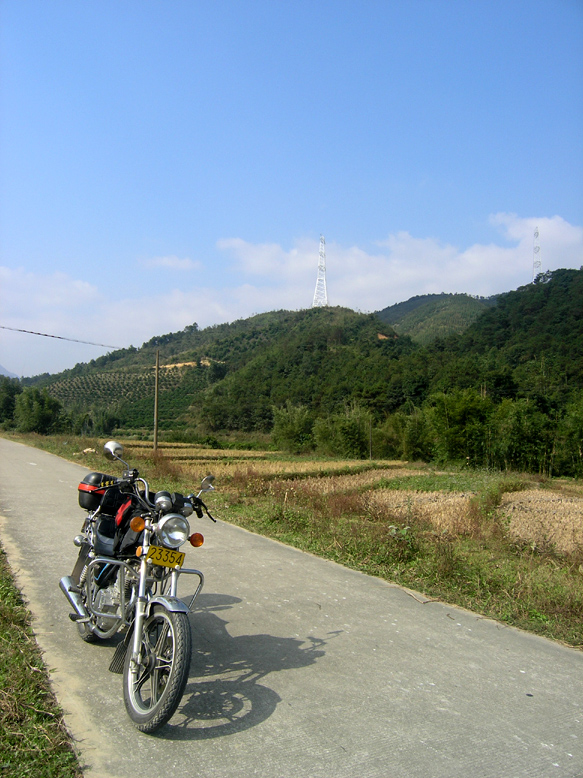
(72, 593)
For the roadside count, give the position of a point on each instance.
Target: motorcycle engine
(107, 600)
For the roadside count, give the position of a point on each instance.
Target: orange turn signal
(137, 524)
(196, 539)
(139, 551)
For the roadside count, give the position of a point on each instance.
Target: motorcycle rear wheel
(153, 692)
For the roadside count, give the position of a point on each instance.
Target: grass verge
(481, 568)
(34, 742)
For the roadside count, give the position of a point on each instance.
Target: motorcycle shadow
(223, 695)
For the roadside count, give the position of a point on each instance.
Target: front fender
(170, 603)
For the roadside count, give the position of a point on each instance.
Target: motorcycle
(125, 581)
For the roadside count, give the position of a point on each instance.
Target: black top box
(96, 487)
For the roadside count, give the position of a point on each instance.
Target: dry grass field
(547, 520)
(547, 516)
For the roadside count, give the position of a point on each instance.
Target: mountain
(7, 373)
(528, 345)
(426, 317)
(230, 375)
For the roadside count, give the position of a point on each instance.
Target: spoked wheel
(153, 688)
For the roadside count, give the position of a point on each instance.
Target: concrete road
(300, 667)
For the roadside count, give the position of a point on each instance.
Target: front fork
(141, 607)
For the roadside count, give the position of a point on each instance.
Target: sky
(164, 162)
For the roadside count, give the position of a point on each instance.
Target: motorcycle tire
(152, 694)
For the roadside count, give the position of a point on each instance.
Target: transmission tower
(536, 261)
(320, 293)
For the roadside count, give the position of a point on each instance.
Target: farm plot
(546, 520)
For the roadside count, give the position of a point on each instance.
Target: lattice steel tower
(536, 260)
(320, 293)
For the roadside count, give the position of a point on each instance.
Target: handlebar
(114, 450)
(212, 518)
(129, 479)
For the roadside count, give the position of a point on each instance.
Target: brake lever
(212, 518)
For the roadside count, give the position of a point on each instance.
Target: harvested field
(549, 520)
(271, 468)
(540, 518)
(354, 481)
(185, 451)
(449, 512)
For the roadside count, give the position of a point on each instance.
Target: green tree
(36, 411)
(10, 388)
(523, 437)
(415, 434)
(344, 434)
(569, 451)
(459, 422)
(292, 428)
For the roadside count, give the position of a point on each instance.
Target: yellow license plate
(166, 557)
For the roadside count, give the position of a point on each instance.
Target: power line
(59, 337)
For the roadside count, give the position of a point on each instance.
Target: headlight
(163, 501)
(173, 530)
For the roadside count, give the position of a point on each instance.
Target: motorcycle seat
(103, 544)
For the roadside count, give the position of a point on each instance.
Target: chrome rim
(150, 678)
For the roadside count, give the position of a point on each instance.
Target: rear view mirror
(207, 483)
(113, 450)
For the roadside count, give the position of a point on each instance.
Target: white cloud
(58, 305)
(405, 266)
(269, 260)
(22, 292)
(561, 243)
(171, 263)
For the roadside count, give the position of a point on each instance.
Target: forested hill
(529, 346)
(426, 317)
(326, 358)
(542, 318)
(306, 369)
(229, 376)
(533, 337)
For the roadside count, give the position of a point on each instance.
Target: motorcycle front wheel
(153, 689)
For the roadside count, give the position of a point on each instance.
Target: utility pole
(156, 400)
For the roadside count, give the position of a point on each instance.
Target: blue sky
(171, 161)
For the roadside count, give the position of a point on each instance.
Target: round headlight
(163, 501)
(173, 530)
